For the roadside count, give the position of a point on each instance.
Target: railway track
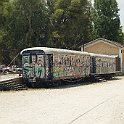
(6, 86)
(14, 83)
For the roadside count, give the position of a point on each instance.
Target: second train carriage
(103, 65)
(47, 65)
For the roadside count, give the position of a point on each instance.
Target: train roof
(48, 50)
(102, 55)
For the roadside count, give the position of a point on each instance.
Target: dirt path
(99, 103)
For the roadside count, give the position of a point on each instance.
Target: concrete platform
(11, 82)
(8, 77)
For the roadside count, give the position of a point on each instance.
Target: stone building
(107, 47)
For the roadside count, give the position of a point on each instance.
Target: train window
(72, 60)
(34, 59)
(55, 60)
(99, 60)
(58, 60)
(81, 60)
(40, 60)
(68, 61)
(87, 60)
(65, 60)
(46, 61)
(102, 64)
(84, 59)
(61, 60)
(25, 60)
(78, 61)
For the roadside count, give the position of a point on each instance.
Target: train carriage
(103, 65)
(48, 65)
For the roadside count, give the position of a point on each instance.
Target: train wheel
(109, 77)
(33, 85)
(49, 84)
(57, 83)
(93, 79)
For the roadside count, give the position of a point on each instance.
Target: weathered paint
(70, 65)
(104, 65)
(34, 69)
(64, 64)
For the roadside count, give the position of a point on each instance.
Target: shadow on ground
(79, 83)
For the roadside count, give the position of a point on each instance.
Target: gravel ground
(98, 103)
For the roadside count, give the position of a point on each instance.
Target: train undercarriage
(55, 83)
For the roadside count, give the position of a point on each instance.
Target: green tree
(107, 20)
(27, 25)
(4, 53)
(72, 23)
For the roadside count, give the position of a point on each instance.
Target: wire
(13, 59)
(10, 62)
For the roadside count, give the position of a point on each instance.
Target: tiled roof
(104, 40)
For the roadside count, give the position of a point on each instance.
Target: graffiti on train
(35, 68)
(31, 71)
(67, 66)
(63, 66)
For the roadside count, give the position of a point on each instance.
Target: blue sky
(121, 12)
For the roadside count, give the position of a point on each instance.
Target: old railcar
(103, 65)
(50, 65)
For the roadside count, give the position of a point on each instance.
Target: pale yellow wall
(102, 48)
(123, 60)
(123, 56)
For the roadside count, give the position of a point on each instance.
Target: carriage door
(42, 65)
(37, 61)
(48, 66)
(93, 67)
(40, 68)
(118, 65)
